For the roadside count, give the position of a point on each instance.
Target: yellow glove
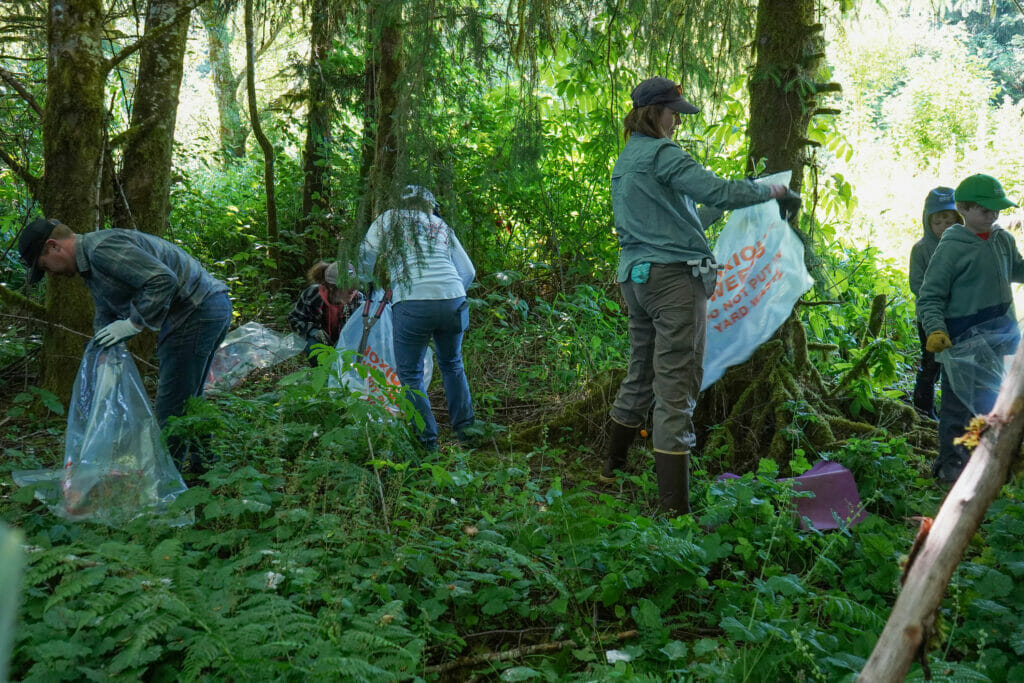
(938, 341)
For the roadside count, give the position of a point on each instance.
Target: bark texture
(73, 143)
(146, 171)
(216, 18)
(315, 190)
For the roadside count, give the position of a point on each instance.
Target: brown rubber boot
(620, 437)
(673, 470)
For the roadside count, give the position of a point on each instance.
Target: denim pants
(667, 332)
(445, 321)
(185, 354)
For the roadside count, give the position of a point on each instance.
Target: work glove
(116, 332)
(320, 337)
(938, 341)
(789, 205)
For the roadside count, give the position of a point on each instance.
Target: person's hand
(938, 341)
(320, 336)
(789, 205)
(778, 191)
(116, 332)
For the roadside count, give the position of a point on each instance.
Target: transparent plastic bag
(246, 348)
(116, 467)
(379, 354)
(12, 562)
(978, 360)
(762, 277)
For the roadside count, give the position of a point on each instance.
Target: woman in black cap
(666, 273)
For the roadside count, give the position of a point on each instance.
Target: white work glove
(115, 332)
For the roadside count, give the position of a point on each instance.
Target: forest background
(322, 544)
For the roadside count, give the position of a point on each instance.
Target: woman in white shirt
(429, 272)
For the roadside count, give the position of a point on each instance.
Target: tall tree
(74, 120)
(315, 163)
(145, 177)
(381, 138)
(216, 16)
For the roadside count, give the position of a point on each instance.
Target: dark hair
(644, 120)
(316, 273)
(967, 205)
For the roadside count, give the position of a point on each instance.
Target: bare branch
(12, 80)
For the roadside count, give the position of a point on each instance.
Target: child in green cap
(967, 283)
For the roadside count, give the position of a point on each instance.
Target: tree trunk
(782, 94)
(216, 17)
(913, 617)
(380, 139)
(146, 171)
(315, 193)
(73, 124)
(257, 129)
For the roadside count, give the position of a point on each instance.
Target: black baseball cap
(30, 244)
(660, 90)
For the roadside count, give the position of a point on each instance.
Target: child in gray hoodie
(939, 214)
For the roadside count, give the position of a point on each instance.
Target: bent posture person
(429, 271)
(666, 273)
(140, 281)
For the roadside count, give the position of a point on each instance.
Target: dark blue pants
(445, 321)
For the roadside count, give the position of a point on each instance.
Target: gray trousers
(667, 331)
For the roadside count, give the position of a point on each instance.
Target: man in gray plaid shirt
(140, 281)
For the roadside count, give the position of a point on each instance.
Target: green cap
(984, 190)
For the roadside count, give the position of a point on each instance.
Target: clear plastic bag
(762, 277)
(379, 354)
(977, 362)
(116, 467)
(246, 348)
(12, 562)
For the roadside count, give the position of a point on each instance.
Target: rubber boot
(619, 438)
(673, 470)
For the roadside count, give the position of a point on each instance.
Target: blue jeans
(416, 322)
(185, 354)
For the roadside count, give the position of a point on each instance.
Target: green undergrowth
(325, 546)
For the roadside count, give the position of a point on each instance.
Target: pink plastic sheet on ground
(835, 496)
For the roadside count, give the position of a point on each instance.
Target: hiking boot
(619, 439)
(673, 470)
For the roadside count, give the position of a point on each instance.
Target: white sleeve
(460, 259)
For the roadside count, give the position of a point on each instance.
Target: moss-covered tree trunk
(782, 93)
(315, 192)
(216, 16)
(383, 86)
(145, 177)
(73, 124)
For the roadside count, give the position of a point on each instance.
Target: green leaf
(674, 650)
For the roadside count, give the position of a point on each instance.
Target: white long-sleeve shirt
(438, 266)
